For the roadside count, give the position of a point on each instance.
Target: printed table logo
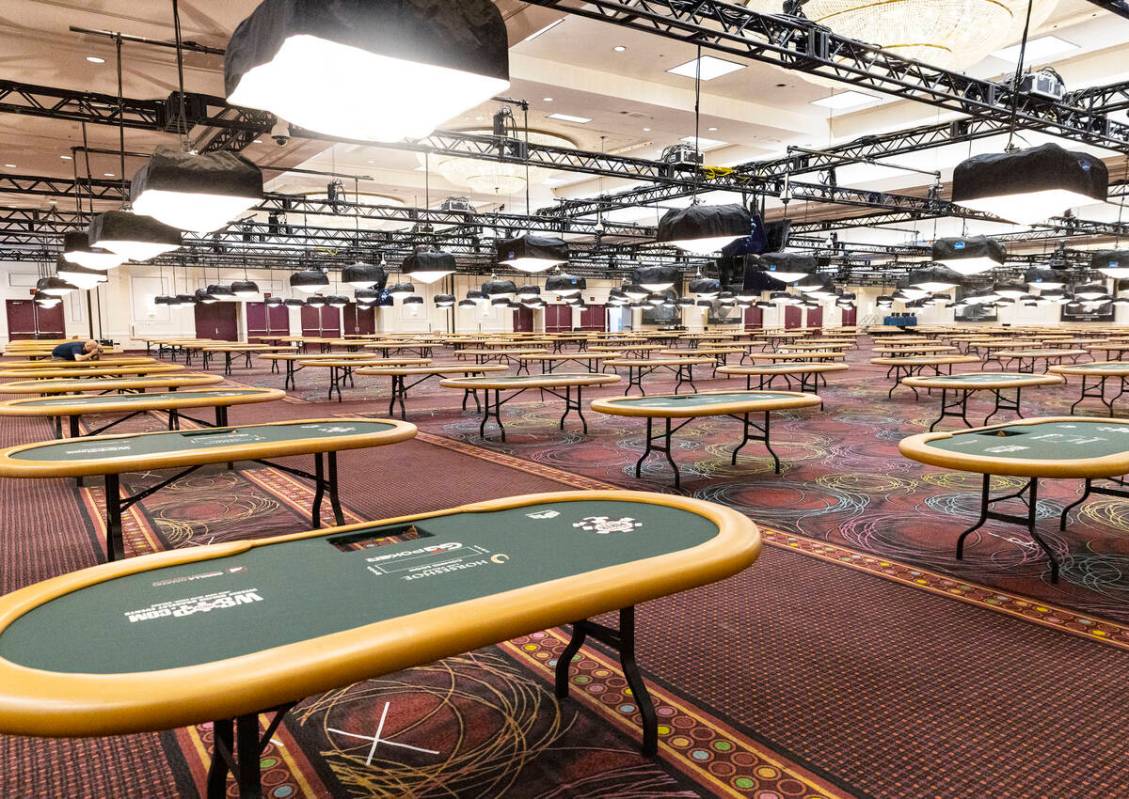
(603, 525)
(544, 514)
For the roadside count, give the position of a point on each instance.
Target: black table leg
(115, 547)
(334, 495)
(237, 749)
(1029, 495)
(634, 380)
(667, 437)
(759, 433)
(623, 642)
(1004, 404)
(492, 410)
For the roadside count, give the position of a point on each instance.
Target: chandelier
(488, 177)
(951, 34)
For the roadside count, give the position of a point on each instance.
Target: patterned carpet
(810, 675)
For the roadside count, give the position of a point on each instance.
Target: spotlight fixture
(1028, 186)
(309, 281)
(532, 253)
(969, 255)
(200, 192)
(77, 250)
(134, 237)
(427, 266)
(704, 229)
(422, 62)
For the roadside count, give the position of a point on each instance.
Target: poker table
(739, 405)
(1028, 358)
(720, 355)
(507, 356)
(113, 455)
(340, 371)
(897, 351)
(1100, 372)
(229, 351)
(290, 359)
(626, 349)
(807, 374)
(109, 384)
(75, 407)
(52, 369)
(421, 374)
(113, 360)
(638, 368)
(1114, 350)
(516, 385)
(914, 365)
(964, 385)
(386, 348)
(222, 633)
(802, 355)
(589, 359)
(1064, 447)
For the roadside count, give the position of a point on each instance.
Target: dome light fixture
(77, 250)
(495, 288)
(1090, 291)
(402, 291)
(565, 284)
(787, 267)
(1029, 186)
(203, 297)
(366, 296)
(476, 296)
(705, 287)
(969, 255)
(427, 266)
(44, 300)
(309, 281)
(244, 289)
(934, 279)
(293, 302)
(531, 253)
(200, 192)
(658, 278)
(134, 237)
(704, 229)
(445, 300)
(337, 301)
(423, 63)
(364, 276)
(221, 292)
(467, 304)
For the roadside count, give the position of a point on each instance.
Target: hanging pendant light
(1029, 186)
(221, 292)
(787, 267)
(476, 296)
(1044, 279)
(564, 284)
(245, 289)
(364, 276)
(705, 287)
(1111, 263)
(366, 296)
(81, 276)
(293, 302)
(401, 291)
(44, 300)
(134, 237)
(532, 253)
(337, 301)
(1090, 291)
(495, 288)
(427, 266)
(273, 302)
(635, 292)
(467, 303)
(200, 192)
(704, 229)
(54, 286)
(969, 255)
(445, 300)
(658, 278)
(309, 281)
(381, 70)
(202, 296)
(527, 292)
(934, 279)
(186, 299)
(77, 250)
(316, 301)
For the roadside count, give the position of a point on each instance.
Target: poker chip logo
(603, 525)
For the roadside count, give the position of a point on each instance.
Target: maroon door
(27, 320)
(265, 320)
(754, 318)
(358, 320)
(558, 318)
(792, 316)
(311, 321)
(523, 320)
(815, 317)
(850, 315)
(330, 322)
(218, 321)
(594, 317)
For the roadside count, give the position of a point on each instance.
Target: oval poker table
(1064, 447)
(188, 450)
(1094, 376)
(739, 405)
(681, 368)
(807, 373)
(965, 385)
(175, 402)
(225, 632)
(291, 359)
(912, 365)
(421, 374)
(113, 360)
(52, 369)
(516, 385)
(106, 384)
(1027, 358)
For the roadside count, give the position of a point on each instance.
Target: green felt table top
(701, 400)
(1044, 441)
(973, 378)
(297, 590)
(518, 380)
(97, 449)
(141, 399)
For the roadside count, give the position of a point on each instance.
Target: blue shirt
(68, 350)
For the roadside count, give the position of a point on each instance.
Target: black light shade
(969, 255)
(475, 295)
(337, 300)
(934, 278)
(427, 266)
(204, 297)
(366, 296)
(54, 286)
(415, 299)
(316, 301)
(499, 288)
(221, 291)
(402, 291)
(1045, 278)
(445, 300)
(364, 276)
(565, 284)
(528, 291)
(658, 278)
(1112, 263)
(244, 288)
(288, 58)
(467, 303)
(273, 301)
(756, 280)
(532, 253)
(77, 250)
(185, 299)
(81, 276)
(705, 286)
(704, 229)
(44, 300)
(1031, 185)
(309, 280)
(293, 302)
(787, 267)
(500, 301)
(135, 237)
(200, 192)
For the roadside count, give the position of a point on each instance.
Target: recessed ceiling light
(93, 59)
(705, 144)
(847, 99)
(66, 157)
(646, 130)
(548, 99)
(544, 30)
(108, 174)
(619, 48)
(1037, 49)
(257, 141)
(570, 118)
(712, 130)
(9, 166)
(710, 68)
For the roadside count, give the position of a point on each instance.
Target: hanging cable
(1018, 79)
(182, 122)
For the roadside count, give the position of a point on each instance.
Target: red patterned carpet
(855, 659)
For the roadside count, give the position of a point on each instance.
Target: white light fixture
(77, 250)
(93, 59)
(81, 276)
(710, 68)
(570, 118)
(370, 71)
(428, 266)
(969, 255)
(200, 192)
(531, 254)
(845, 100)
(135, 237)
(704, 229)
